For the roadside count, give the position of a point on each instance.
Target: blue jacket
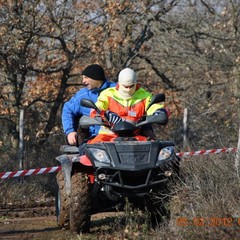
(72, 110)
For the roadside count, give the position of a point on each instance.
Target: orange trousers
(109, 138)
(102, 138)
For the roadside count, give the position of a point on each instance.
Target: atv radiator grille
(130, 158)
(133, 154)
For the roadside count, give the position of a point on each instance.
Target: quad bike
(128, 168)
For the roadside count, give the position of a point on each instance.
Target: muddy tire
(80, 204)
(62, 203)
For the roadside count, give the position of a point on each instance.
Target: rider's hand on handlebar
(112, 117)
(159, 111)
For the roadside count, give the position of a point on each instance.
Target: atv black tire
(80, 204)
(62, 202)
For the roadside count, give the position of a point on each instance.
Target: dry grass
(206, 203)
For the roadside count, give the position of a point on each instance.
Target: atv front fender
(66, 163)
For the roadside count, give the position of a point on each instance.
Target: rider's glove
(112, 117)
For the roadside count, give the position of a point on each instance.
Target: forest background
(187, 49)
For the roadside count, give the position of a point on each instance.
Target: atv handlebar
(86, 121)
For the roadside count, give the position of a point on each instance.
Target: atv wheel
(80, 204)
(62, 203)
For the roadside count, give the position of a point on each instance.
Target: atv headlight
(100, 155)
(165, 153)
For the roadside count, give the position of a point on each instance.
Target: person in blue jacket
(95, 81)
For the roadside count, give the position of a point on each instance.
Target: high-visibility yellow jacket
(128, 109)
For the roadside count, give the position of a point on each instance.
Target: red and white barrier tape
(205, 152)
(36, 171)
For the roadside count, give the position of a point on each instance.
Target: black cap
(95, 72)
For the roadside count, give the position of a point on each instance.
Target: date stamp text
(207, 222)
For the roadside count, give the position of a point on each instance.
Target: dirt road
(39, 223)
